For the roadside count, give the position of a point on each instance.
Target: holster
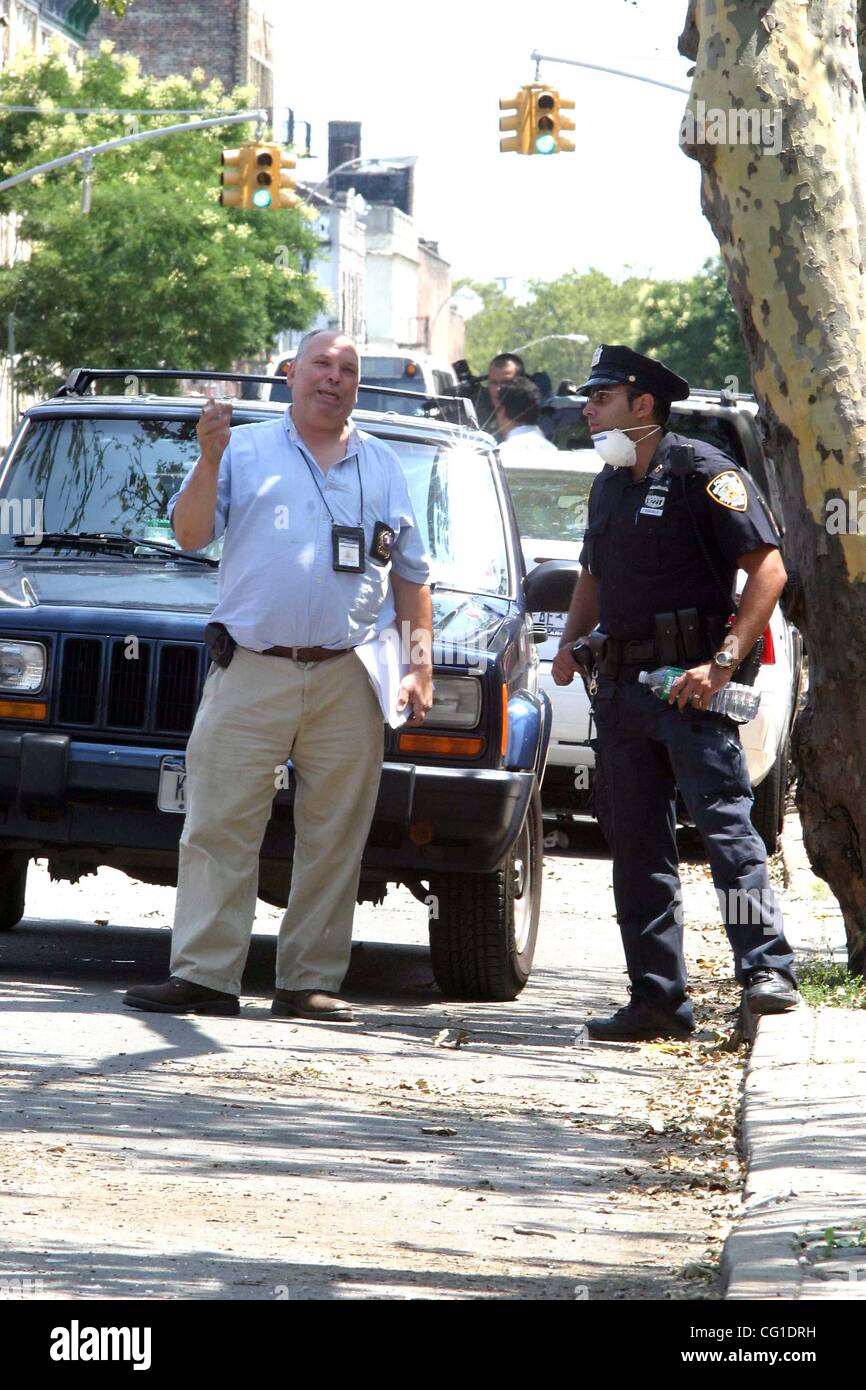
(220, 644)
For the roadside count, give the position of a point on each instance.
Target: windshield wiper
(108, 540)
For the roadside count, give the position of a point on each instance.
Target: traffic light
(258, 176)
(235, 192)
(287, 196)
(519, 121)
(264, 162)
(537, 121)
(548, 122)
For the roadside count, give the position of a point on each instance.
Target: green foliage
(829, 982)
(118, 7)
(690, 324)
(158, 273)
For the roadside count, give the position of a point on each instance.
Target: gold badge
(729, 490)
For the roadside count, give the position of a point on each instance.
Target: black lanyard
(321, 493)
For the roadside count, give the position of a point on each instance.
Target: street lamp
(550, 337)
(374, 166)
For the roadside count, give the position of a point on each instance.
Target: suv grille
(107, 683)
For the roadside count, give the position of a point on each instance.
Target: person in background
(518, 409)
(504, 367)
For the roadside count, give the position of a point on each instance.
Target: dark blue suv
(102, 661)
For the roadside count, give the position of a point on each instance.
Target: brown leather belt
(306, 653)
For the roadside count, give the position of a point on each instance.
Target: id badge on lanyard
(347, 544)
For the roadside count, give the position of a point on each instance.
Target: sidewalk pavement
(801, 1233)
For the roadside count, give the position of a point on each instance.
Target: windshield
(457, 508)
(550, 503)
(98, 474)
(117, 474)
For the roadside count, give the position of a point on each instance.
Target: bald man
(320, 541)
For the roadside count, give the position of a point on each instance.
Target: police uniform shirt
(276, 508)
(641, 542)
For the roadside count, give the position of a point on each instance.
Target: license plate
(554, 622)
(172, 785)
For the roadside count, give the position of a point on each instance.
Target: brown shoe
(311, 1003)
(179, 996)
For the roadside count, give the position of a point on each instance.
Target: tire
(13, 883)
(768, 809)
(482, 941)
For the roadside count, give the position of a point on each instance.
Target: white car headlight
(22, 667)
(456, 702)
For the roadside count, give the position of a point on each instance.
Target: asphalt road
(434, 1149)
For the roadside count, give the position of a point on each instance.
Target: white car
(551, 494)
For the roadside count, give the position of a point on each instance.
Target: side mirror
(550, 586)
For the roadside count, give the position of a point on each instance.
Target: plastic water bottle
(738, 702)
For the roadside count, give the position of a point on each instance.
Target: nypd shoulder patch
(729, 490)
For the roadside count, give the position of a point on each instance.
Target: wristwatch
(726, 660)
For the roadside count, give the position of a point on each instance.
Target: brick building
(230, 39)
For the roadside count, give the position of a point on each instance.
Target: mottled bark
(792, 230)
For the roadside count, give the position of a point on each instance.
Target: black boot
(639, 1021)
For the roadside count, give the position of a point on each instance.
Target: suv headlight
(22, 667)
(456, 702)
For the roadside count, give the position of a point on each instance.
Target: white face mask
(615, 447)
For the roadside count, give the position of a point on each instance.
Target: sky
(426, 79)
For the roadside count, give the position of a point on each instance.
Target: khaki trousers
(255, 714)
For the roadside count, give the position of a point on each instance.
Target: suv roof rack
(80, 379)
(724, 396)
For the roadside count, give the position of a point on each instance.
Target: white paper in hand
(381, 659)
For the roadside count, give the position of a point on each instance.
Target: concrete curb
(804, 1128)
(804, 1137)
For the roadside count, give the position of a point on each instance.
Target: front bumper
(97, 803)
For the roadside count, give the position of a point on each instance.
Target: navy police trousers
(645, 750)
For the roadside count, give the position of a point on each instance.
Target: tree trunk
(790, 217)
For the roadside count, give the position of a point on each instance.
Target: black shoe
(770, 992)
(638, 1021)
(179, 996)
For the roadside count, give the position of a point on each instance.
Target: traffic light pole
(539, 58)
(89, 151)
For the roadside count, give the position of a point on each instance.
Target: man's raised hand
(213, 430)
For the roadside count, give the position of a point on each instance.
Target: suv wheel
(483, 941)
(768, 811)
(13, 882)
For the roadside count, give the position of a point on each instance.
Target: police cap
(620, 366)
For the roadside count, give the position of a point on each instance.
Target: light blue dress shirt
(277, 584)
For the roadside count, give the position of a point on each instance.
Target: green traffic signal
(262, 195)
(545, 124)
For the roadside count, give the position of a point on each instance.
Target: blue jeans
(645, 750)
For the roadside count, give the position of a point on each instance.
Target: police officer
(670, 522)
